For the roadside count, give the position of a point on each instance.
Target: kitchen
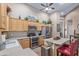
(23, 25)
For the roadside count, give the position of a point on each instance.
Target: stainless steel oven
(33, 36)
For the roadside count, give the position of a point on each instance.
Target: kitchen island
(11, 42)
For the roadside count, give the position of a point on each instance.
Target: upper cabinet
(4, 23)
(25, 25)
(18, 25)
(3, 9)
(37, 24)
(4, 19)
(31, 23)
(39, 27)
(13, 25)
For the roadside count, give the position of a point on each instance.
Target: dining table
(58, 42)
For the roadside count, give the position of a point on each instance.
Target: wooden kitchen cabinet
(38, 25)
(4, 23)
(13, 25)
(25, 25)
(18, 25)
(25, 43)
(3, 9)
(39, 28)
(41, 40)
(31, 23)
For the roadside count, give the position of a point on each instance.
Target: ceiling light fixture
(62, 13)
(48, 9)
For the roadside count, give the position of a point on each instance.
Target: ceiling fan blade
(43, 5)
(42, 9)
(50, 4)
(52, 8)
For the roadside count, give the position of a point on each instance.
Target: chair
(68, 50)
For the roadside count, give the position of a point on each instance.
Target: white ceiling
(60, 7)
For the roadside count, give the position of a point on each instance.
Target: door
(69, 28)
(62, 29)
(44, 30)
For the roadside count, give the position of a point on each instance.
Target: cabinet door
(4, 23)
(39, 27)
(41, 40)
(25, 26)
(13, 25)
(3, 9)
(24, 43)
(19, 25)
(31, 23)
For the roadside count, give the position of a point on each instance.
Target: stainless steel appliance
(32, 33)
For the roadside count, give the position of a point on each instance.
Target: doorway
(69, 28)
(62, 29)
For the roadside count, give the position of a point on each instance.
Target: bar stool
(68, 50)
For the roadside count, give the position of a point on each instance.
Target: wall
(55, 18)
(24, 10)
(74, 16)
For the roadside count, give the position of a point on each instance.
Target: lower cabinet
(41, 40)
(25, 43)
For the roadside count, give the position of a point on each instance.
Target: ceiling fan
(47, 6)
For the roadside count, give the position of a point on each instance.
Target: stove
(33, 36)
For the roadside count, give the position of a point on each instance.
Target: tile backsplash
(16, 34)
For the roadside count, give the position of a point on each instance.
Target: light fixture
(62, 13)
(48, 9)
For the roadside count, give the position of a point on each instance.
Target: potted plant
(37, 20)
(49, 21)
(8, 10)
(44, 22)
(26, 18)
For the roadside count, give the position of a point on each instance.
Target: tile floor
(38, 51)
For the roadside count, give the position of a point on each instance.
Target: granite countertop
(17, 51)
(59, 42)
